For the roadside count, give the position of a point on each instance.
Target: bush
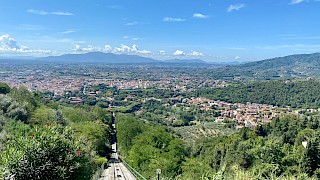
(51, 152)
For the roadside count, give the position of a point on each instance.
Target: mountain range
(301, 65)
(110, 58)
(100, 57)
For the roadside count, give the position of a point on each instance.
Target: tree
(311, 159)
(42, 116)
(97, 133)
(12, 109)
(4, 88)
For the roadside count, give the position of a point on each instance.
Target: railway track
(119, 172)
(116, 170)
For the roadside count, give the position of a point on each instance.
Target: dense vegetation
(271, 150)
(148, 147)
(41, 140)
(296, 94)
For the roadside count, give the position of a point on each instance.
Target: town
(73, 84)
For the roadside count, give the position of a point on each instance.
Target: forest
(294, 93)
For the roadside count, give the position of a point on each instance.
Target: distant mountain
(110, 58)
(292, 61)
(293, 66)
(185, 61)
(100, 57)
(230, 63)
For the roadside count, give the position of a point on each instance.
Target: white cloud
(6, 42)
(195, 53)
(76, 47)
(145, 52)
(182, 53)
(89, 48)
(42, 12)
(132, 23)
(296, 1)
(62, 13)
(179, 53)
(235, 7)
(201, 16)
(132, 38)
(123, 49)
(108, 48)
(38, 12)
(10, 46)
(237, 57)
(135, 48)
(69, 31)
(170, 19)
(162, 52)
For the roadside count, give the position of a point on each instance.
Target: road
(116, 170)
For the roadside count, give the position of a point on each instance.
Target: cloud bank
(122, 49)
(8, 45)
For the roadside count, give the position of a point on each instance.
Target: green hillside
(288, 67)
(297, 94)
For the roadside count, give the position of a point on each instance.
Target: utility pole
(158, 173)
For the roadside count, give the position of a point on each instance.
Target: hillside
(293, 66)
(297, 94)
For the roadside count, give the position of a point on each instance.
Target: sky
(212, 30)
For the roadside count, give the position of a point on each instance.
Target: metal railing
(133, 171)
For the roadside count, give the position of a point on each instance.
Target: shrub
(51, 152)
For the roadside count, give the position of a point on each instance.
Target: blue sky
(213, 30)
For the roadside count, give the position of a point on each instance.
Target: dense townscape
(59, 78)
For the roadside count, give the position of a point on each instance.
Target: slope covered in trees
(273, 150)
(288, 67)
(148, 147)
(296, 94)
(270, 151)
